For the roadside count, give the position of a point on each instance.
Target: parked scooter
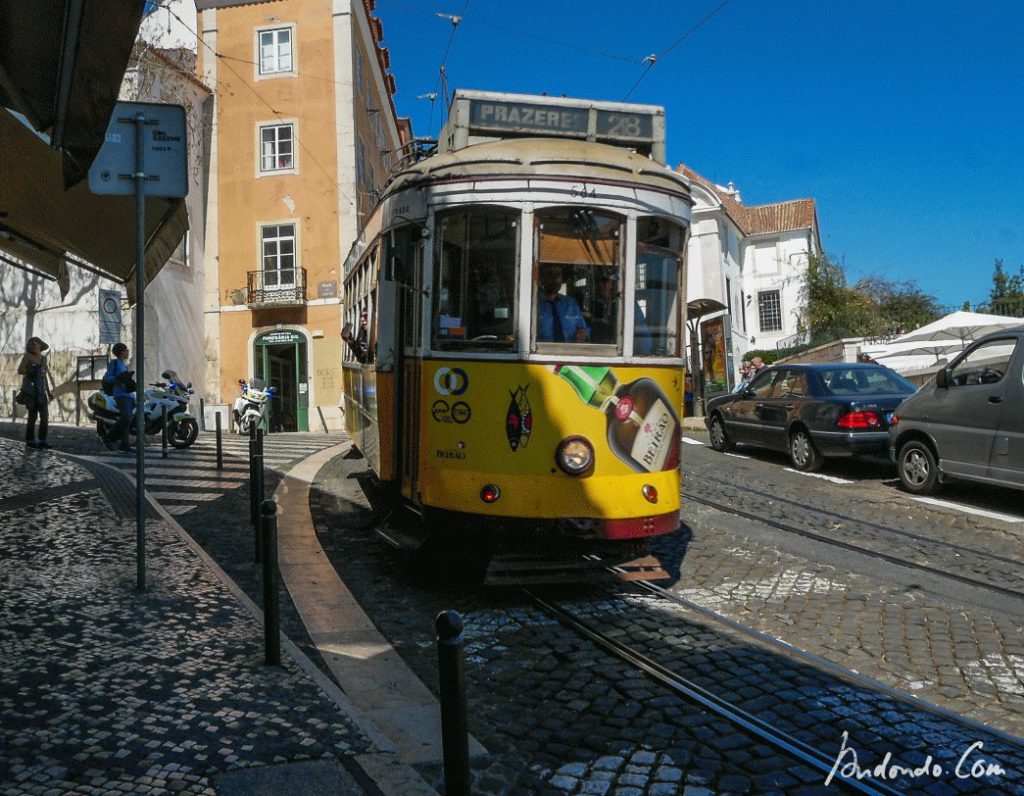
(251, 406)
(182, 427)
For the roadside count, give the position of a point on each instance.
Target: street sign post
(158, 142)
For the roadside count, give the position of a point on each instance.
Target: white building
(33, 306)
(752, 259)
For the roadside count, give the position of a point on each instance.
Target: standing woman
(34, 384)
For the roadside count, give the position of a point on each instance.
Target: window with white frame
(769, 310)
(277, 147)
(278, 256)
(275, 51)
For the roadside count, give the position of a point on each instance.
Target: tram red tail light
(859, 420)
(650, 493)
(490, 493)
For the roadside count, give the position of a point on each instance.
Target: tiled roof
(759, 219)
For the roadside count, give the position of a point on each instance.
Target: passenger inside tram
(559, 317)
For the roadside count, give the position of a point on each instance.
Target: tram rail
(861, 549)
(690, 689)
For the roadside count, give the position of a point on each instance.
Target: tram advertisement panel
(510, 418)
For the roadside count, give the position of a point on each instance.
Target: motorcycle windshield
(257, 384)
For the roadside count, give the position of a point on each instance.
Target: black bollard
(271, 616)
(260, 492)
(220, 448)
(254, 506)
(163, 434)
(14, 406)
(454, 731)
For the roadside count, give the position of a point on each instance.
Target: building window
(278, 256)
(277, 152)
(361, 162)
(769, 310)
(275, 51)
(359, 73)
(180, 253)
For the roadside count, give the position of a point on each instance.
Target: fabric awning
(61, 65)
(40, 220)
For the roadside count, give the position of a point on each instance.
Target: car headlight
(575, 455)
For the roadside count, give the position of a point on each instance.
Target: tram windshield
(474, 303)
(579, 269)
(658, 267)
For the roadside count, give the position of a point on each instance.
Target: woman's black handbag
(26, 395)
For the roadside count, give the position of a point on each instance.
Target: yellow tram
(514, 314)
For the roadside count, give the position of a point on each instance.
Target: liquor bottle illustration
(643, 426)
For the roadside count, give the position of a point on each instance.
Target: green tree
(831, 308)
(1007, 294)
(875, 306)
(901, 305)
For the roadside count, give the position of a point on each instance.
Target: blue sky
(904, 120)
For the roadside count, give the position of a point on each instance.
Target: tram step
(512, 570)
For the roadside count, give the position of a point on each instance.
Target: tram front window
(658, 268)
(474, 299)
(578, 284)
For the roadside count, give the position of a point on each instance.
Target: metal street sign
(164, 151)
(110, 316)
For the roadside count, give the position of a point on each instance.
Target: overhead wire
(652, 59)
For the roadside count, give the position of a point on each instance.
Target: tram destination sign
(573, 122)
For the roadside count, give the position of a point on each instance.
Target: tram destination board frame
(477, 115)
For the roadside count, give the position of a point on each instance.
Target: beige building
(304, 134)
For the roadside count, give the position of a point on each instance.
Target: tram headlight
(575, 455)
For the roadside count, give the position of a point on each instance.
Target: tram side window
(658, 270)
(474, 299)
(578, 290)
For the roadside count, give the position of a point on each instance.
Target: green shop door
(280, 360)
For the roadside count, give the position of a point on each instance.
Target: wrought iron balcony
(280, 288)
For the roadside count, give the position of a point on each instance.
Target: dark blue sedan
(810, 411)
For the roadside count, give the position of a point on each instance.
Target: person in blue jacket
(559, 318)
(119, 377)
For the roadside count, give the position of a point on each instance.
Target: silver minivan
(968, 422)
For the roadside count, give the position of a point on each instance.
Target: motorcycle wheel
(243, 426)
(183, 433)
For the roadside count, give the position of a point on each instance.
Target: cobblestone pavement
(188, 479)
(106, 689)
(560, 717)
(952, 645)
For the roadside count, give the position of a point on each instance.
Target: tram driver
(559, 317)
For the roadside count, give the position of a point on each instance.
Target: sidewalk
(105, 689)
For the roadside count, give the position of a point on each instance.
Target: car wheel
(802, 452)
(919, 472)
(719, 439)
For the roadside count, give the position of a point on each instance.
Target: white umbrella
(962, 326)
(936, 349)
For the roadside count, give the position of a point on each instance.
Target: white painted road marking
(823, 477)
(735, 455)
(689, 441)
(992, 515)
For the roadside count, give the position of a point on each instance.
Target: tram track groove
(823, 664)
(855, 548)
(720, 706)
(866, 523)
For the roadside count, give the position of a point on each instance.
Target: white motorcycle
(251, 406)
(182, 427)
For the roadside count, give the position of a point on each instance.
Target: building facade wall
(337, 102)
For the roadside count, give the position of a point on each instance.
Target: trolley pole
(454, 729)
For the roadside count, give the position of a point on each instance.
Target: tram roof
(541, 157)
